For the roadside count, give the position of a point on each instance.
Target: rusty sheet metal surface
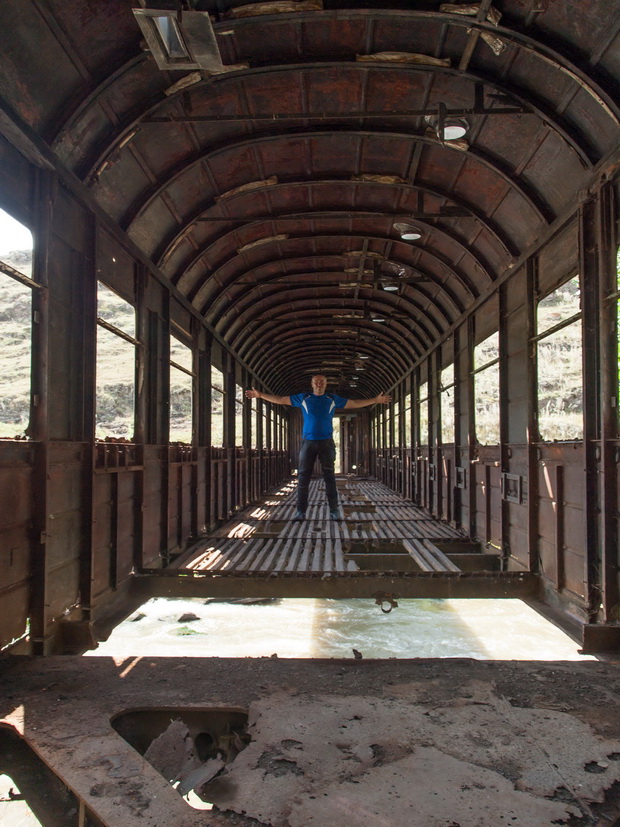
(16, 537)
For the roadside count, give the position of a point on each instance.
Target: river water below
(312, 628)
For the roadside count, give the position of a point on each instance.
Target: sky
(13, 235)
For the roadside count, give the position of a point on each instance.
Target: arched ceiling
(268, 194)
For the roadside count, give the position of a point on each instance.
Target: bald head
(319, 384)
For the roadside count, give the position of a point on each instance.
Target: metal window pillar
(610, 452)
(589, 283)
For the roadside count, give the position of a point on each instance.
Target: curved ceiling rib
(319, 211)
(165, 153)
(356, 310)
(291, 362)
(211, 287)
(300, 319)
(226, 305)
(201, 158)
(270, 367)
(256, 277)
(551, 58)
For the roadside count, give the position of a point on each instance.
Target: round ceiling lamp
(408, 232)
(453, 128)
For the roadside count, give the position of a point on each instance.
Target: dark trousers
(325, 450)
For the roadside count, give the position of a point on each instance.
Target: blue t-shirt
(318, 413)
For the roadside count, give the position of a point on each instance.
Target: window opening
(408, 421)
(447, 405)
(423, 413)
(265, 427)
(217, 408)
(486, 390)
(181, 391)
(254, 423)
(396, 424)
(239, 405)
(559, 363)
(388, 413)
(116, 366)
(16, 287)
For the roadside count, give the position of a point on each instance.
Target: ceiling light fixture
(408, 232)
(391, 288)
(450, 130)
(377, 319)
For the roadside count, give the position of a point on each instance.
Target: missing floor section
(188, 747)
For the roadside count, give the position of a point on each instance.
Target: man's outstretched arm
(268, 397)
(381, 399)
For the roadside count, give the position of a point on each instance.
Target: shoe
(334, 514)
(299, 515)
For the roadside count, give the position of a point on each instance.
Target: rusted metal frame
(95, 96)
(555, 228)
(469, 329)
(264, 333)
(228, 302)
(276, 281)
(562, 62)
(201, 301)
(559, 326)
(122, 335)
(589, 284)
(402, 451)
(560, 516)
(162, 369)
(353, 115)
(87, 287)
(133, 123)
(434, 430)
(247, 437)
(20, 277)
(290, 378)
(455, 491)
(198, 216)
(229, 435)
(38, 427)
(533, 488)
(608, 345)
(285, 316)
(238, 309)
(36, 150)
(204, 155)
(276, 308)
(504, 412)
(361, 584)
(140, 414)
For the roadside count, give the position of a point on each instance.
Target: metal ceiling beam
(414, 313)
(204, 156)
(364, 331)
(225, 304)
(131, 126)
(202, 300)
(461, 209)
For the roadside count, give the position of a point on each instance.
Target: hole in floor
(188, 747)
(506, 629)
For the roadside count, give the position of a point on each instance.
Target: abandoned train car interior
(202, 197)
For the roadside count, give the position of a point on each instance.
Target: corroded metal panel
(16, 538)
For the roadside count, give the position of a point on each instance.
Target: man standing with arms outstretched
(318, 409)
